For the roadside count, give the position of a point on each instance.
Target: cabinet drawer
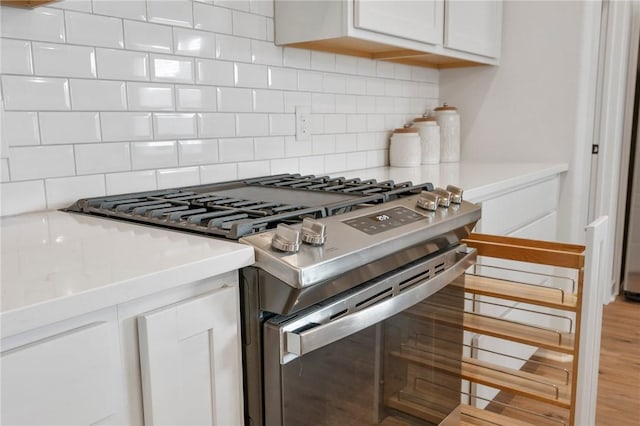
(504, 214)
(65, 379)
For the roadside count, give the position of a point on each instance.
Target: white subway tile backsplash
(35, 93)
(171, 69)
(62, 60)
(253, 169)
(170, 12)
(236, 149)
(126, 126)
(356, 86)
(102, 158)
(129, 9)
(312, 165)
(346, 142)
(147, 37)
(69, 127)
(218, 172)
(93, 30)
(62, 192)
(195, 98)
(118, 183)
(346, 103)
(335, 123)
(335, 163)
(294, 99)
(22, 197)
(15, 57)
(296, 58)
(98, 95)
(194, 43)
(4, 170)
(282, 124)
(171, 125)
(194, 152)
(77, 5)
(122, 64)
(249, 75)
(285, 165)
(335, 83)
(216, 73)
(210, 18)
(282, 78)
(268, 148)
(268, 101)
(184, 176)
(154, 155)
(385, 69)
(249, 25)
(252, 124)
(262, 7)
(41, 24)
(214, 125)
(264, 52)
(346, 64)
(323, 103)
(150, 97)
(40, 162)
(232, 48)
(136, 105)
(21, 128)
(323, 61)
(234, 99)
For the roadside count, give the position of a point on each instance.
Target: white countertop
(479, 180)
(56, 265)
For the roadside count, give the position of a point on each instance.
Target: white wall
(76, 121)
(537, 105)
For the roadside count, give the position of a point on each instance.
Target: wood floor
(619, 381)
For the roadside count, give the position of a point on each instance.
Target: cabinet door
(415, 20)
(474, 26)
(190, 361)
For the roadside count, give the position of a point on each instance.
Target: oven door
(387, 352)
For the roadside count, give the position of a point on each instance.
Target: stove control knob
(456, 194)
(313, 232)
(445, 196)
(428, 201)
(286, 239)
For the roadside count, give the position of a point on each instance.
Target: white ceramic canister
(429, 131)
(449, 122)
(404, 149)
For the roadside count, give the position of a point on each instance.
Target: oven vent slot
(381, 295)
(403, 285)
(439, 268)
(338, 314)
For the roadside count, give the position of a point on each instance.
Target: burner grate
(237, 208)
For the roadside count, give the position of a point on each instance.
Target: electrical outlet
(303, 123)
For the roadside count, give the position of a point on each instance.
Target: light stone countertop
(57, 265)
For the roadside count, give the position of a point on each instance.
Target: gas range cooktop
(244, 207)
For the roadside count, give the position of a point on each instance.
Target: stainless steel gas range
(352, 312)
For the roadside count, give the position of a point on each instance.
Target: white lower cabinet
(170, 358)
(190, 361)
(65, 374)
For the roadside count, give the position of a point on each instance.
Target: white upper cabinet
(415, 20)
(474, 26)
(433, 33)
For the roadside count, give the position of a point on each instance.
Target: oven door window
(404, 370)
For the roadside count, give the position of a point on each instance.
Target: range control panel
(384, 220)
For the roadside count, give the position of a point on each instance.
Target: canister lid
(425, 117)
(446, 107)
(407, 130)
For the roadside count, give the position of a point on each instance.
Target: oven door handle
(303, 342)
